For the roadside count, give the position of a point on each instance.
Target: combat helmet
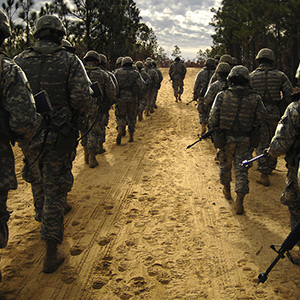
(234, 61)
(210, 63)
(223, 67)
(4, 24)
(177, 58)
(148, 62)
(139, 64)
(127, 60)
(92, 55)
(103, 59)
(226, 58)
(239, 71)
(265, 53)
(49, 22)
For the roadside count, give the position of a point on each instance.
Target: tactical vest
(237, 111)
(40, 65)
(127, 79)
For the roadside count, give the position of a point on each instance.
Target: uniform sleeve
(286, 131)
(214, 115)
(286, 88)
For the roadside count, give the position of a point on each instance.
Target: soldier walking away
(275, 89)
(287, 141)
(50, 67)
(224, 58)
(19, 122)
(160, 76)
(200, 88)
(177, 73)
(236, 114)
(130, 84)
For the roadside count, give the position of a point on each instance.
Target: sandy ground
(151, 222)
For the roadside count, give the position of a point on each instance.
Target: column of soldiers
(76, 99)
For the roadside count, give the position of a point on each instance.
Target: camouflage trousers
(143, 102)
(4, 214)
(267, 164)
(150, 98)
(97, 133)
(155, 93)
(177, 85)
(202, 114)
(51, 179)
(234, 153)
(126, 113)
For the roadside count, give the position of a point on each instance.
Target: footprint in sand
(76, 250)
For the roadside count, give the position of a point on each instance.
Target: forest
(115, 28)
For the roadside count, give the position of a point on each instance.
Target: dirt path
(150, 222)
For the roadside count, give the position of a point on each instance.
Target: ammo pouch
(67, 139)
(218, 138)
(254, 138)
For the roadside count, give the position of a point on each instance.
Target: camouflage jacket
(201, 82)
(212, 91)
(270, 83)
(238, 110)
(23, 120)
(52, 68)
(177, 70)
(153, 76)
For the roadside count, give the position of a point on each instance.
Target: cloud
(184, 23)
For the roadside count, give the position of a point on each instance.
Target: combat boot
(86, 155)
(119, 136)
(101, 149)
(52, 260)
(227, 192)
(67, 207)
(179, 98)
(264, 179)
(176, 99)
(239, 207)
(92, 160)
(147, 112)
(130, 137)
(151, 109)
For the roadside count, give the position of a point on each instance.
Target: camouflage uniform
(215, 88)
(269, 83)
(177, 73)
(236, 111)
(143, 95)
(130, 84)
(286, 141)
(100, 105)
(200, 87)
(160, 76)
(61, 74)
(152, 86)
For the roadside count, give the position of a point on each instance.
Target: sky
(184, 23)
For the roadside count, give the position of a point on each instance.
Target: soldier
(48, 168)
(100, 107)
(222, 72)
(160, 76)
(269, 83)
(111, 93)
(224, 58)
(200, 88)
(144, 93)
(286, 141)
(18, 122)
(177, 73)
(152, 86)
(130, 84)
(237, 112)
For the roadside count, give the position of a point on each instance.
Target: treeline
(243, 27)
(112, 27)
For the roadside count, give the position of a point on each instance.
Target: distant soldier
(130, 84)
(143, 95)
(50, 67)
(152, 88)
(177, 73)
(100, 106)
(200, 88)
(224, 58)
(286, 141)
(222, 72)
(275, 89)
(160, 76)
(18, 122)
(237, 112)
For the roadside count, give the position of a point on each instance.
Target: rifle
(192, 101)
(245, 163)
(287, 245)
(168, 81)
(202, 137)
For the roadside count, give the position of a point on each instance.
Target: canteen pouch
(67, 139)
